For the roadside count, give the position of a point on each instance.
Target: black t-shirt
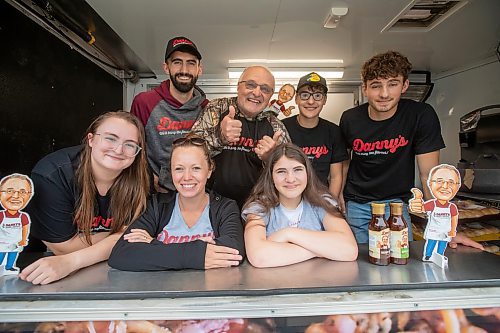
(383, 152)
(238, 167)
(323, 144)
(56, 195)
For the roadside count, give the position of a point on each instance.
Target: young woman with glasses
(189, 228)
(291, 217)
(87, 195)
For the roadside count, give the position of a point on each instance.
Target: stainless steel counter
(313, 287)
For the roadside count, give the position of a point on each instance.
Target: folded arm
(71, 256)
(263, 252)
(336, 242)
(155, 255)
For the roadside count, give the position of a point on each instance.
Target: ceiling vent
(423, 15)
(420, 87)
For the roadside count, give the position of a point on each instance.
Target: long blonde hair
(129, 190)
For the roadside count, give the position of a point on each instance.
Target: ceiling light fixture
(286, 61)
(334, 16)
(292, 73)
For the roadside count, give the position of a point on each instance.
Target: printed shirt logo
(315, 152)
(166, 238)
(101, 224)
(441, 215)
(313, 78)
(167, 124)
(378, 147)
(12, 225)
(181, 41)
(244, 144)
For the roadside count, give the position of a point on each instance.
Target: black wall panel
(49, 93)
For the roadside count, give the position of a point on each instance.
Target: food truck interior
(63, 62)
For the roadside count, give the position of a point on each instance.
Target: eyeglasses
(252, 85)
(11, 191)
(317, 96)
(441, 182)
(110, 142)
(197, 141)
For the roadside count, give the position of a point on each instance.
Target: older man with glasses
(16, 191)
(444, 183)
(321, 140)
(241, 134)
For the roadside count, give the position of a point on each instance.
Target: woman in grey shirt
(188, 228)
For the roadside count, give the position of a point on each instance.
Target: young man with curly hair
(384, 136)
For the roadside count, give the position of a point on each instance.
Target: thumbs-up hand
(266, 144)
(231, 127)
(416, 204)
(288, 110)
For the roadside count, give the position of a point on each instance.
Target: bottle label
(379, 243)
(400, 247)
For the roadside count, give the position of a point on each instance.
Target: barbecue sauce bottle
(379, 236)
(400, 248)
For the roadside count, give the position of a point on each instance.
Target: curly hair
(386, 65)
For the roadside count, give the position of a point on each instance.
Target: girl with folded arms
(291, 217)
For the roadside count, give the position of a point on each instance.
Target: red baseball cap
(182, 44)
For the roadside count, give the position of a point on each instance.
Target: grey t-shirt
(310, 219)
(177, 231)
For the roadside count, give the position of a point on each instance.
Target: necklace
(293, 216)
(295, 224)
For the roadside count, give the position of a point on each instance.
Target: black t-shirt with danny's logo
(383, 152)
(56, 196)
(323, 144)
(237, 167)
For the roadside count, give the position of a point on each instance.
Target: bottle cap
(378, 208)
(396, 208)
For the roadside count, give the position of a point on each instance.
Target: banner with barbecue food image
(481, 320)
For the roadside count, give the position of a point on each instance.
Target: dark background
(49, 93)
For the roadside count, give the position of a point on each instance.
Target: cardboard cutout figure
(285, 95)
(16, 191)
(442, 215)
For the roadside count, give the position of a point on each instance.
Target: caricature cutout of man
(444, 182)
(285, 95)
(16, 191)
